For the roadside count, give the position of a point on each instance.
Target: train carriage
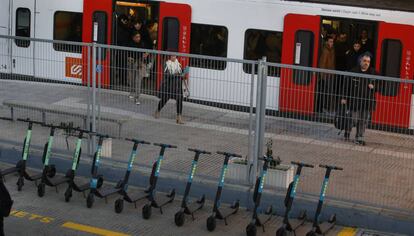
(292, 29)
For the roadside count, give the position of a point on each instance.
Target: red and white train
(284, 27)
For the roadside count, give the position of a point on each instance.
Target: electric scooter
(94, 189)
(20, 167)
(217, 212)
(251, 228)
(70, 173)
(47, 151)
(317, 227)
(186, 207)
(147, 208)
(290, 196)
(119, 203)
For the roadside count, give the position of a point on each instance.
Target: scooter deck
(107, 191)
(226, 212)
(194, 206)
(56, 181)
(9, 171)
(80, 188)
(33, 177)
(325, 227)
(132, 198)
(163, 200)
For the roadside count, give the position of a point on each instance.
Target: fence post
(93, 123)
(260, 113)
(251, 151)
(89, 103)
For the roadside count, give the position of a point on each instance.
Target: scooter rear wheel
(146, 211)
(119, 205)
(211, 223)
(251, 229)
(179, 218)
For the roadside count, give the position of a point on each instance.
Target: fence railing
(224, 104)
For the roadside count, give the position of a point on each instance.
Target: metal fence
(232, 105)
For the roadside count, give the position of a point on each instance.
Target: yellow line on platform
(347, 231)
(92, 230)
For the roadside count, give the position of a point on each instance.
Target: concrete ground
(379, 175)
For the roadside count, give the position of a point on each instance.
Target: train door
(4, 30)
(300, 46)
(97, 21)
(23, 13)
(393, 58)
(173, 32)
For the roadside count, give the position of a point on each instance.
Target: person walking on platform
(172, 87)
(359, 96)
(5, 205)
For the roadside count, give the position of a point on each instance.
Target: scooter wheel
(311, 233)
(68, 194)
(52, 171)
(41, 190)
(146, 211)
(119, 205)
(251, 229)
(89, 200)
(179, 218)
(211, 223)
(20, 183)
(281, 232)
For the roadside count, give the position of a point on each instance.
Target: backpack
(343, 118)
(6, 202)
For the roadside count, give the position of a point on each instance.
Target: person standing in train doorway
(359, 95)
(136, 67)
(326, 80)
(172, 87)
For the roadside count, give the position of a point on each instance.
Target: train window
(23, 26)
(100, 19)
(170, 39)
(391, 55)
(209, 40)
(303, 56)
(263, 43)
(67, 26)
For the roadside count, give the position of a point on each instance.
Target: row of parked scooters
(96, 188)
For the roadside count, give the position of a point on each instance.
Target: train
(238, 27)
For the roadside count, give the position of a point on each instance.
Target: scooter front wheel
(41, 188)
(281, 232)
(251, 229)
(119, 205)
(211, 223)
(89, 200)
(146, 211)
(179, 218)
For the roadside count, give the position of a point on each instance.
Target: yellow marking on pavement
(92, 230)
(31, 216)
(347, 231)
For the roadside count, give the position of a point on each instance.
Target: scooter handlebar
(54, 126)
(165, 145)
(229, 154)
(199, 151)
(104, 135)
(137, 141)
(331, 167)
(302, 164)
(31, 121)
